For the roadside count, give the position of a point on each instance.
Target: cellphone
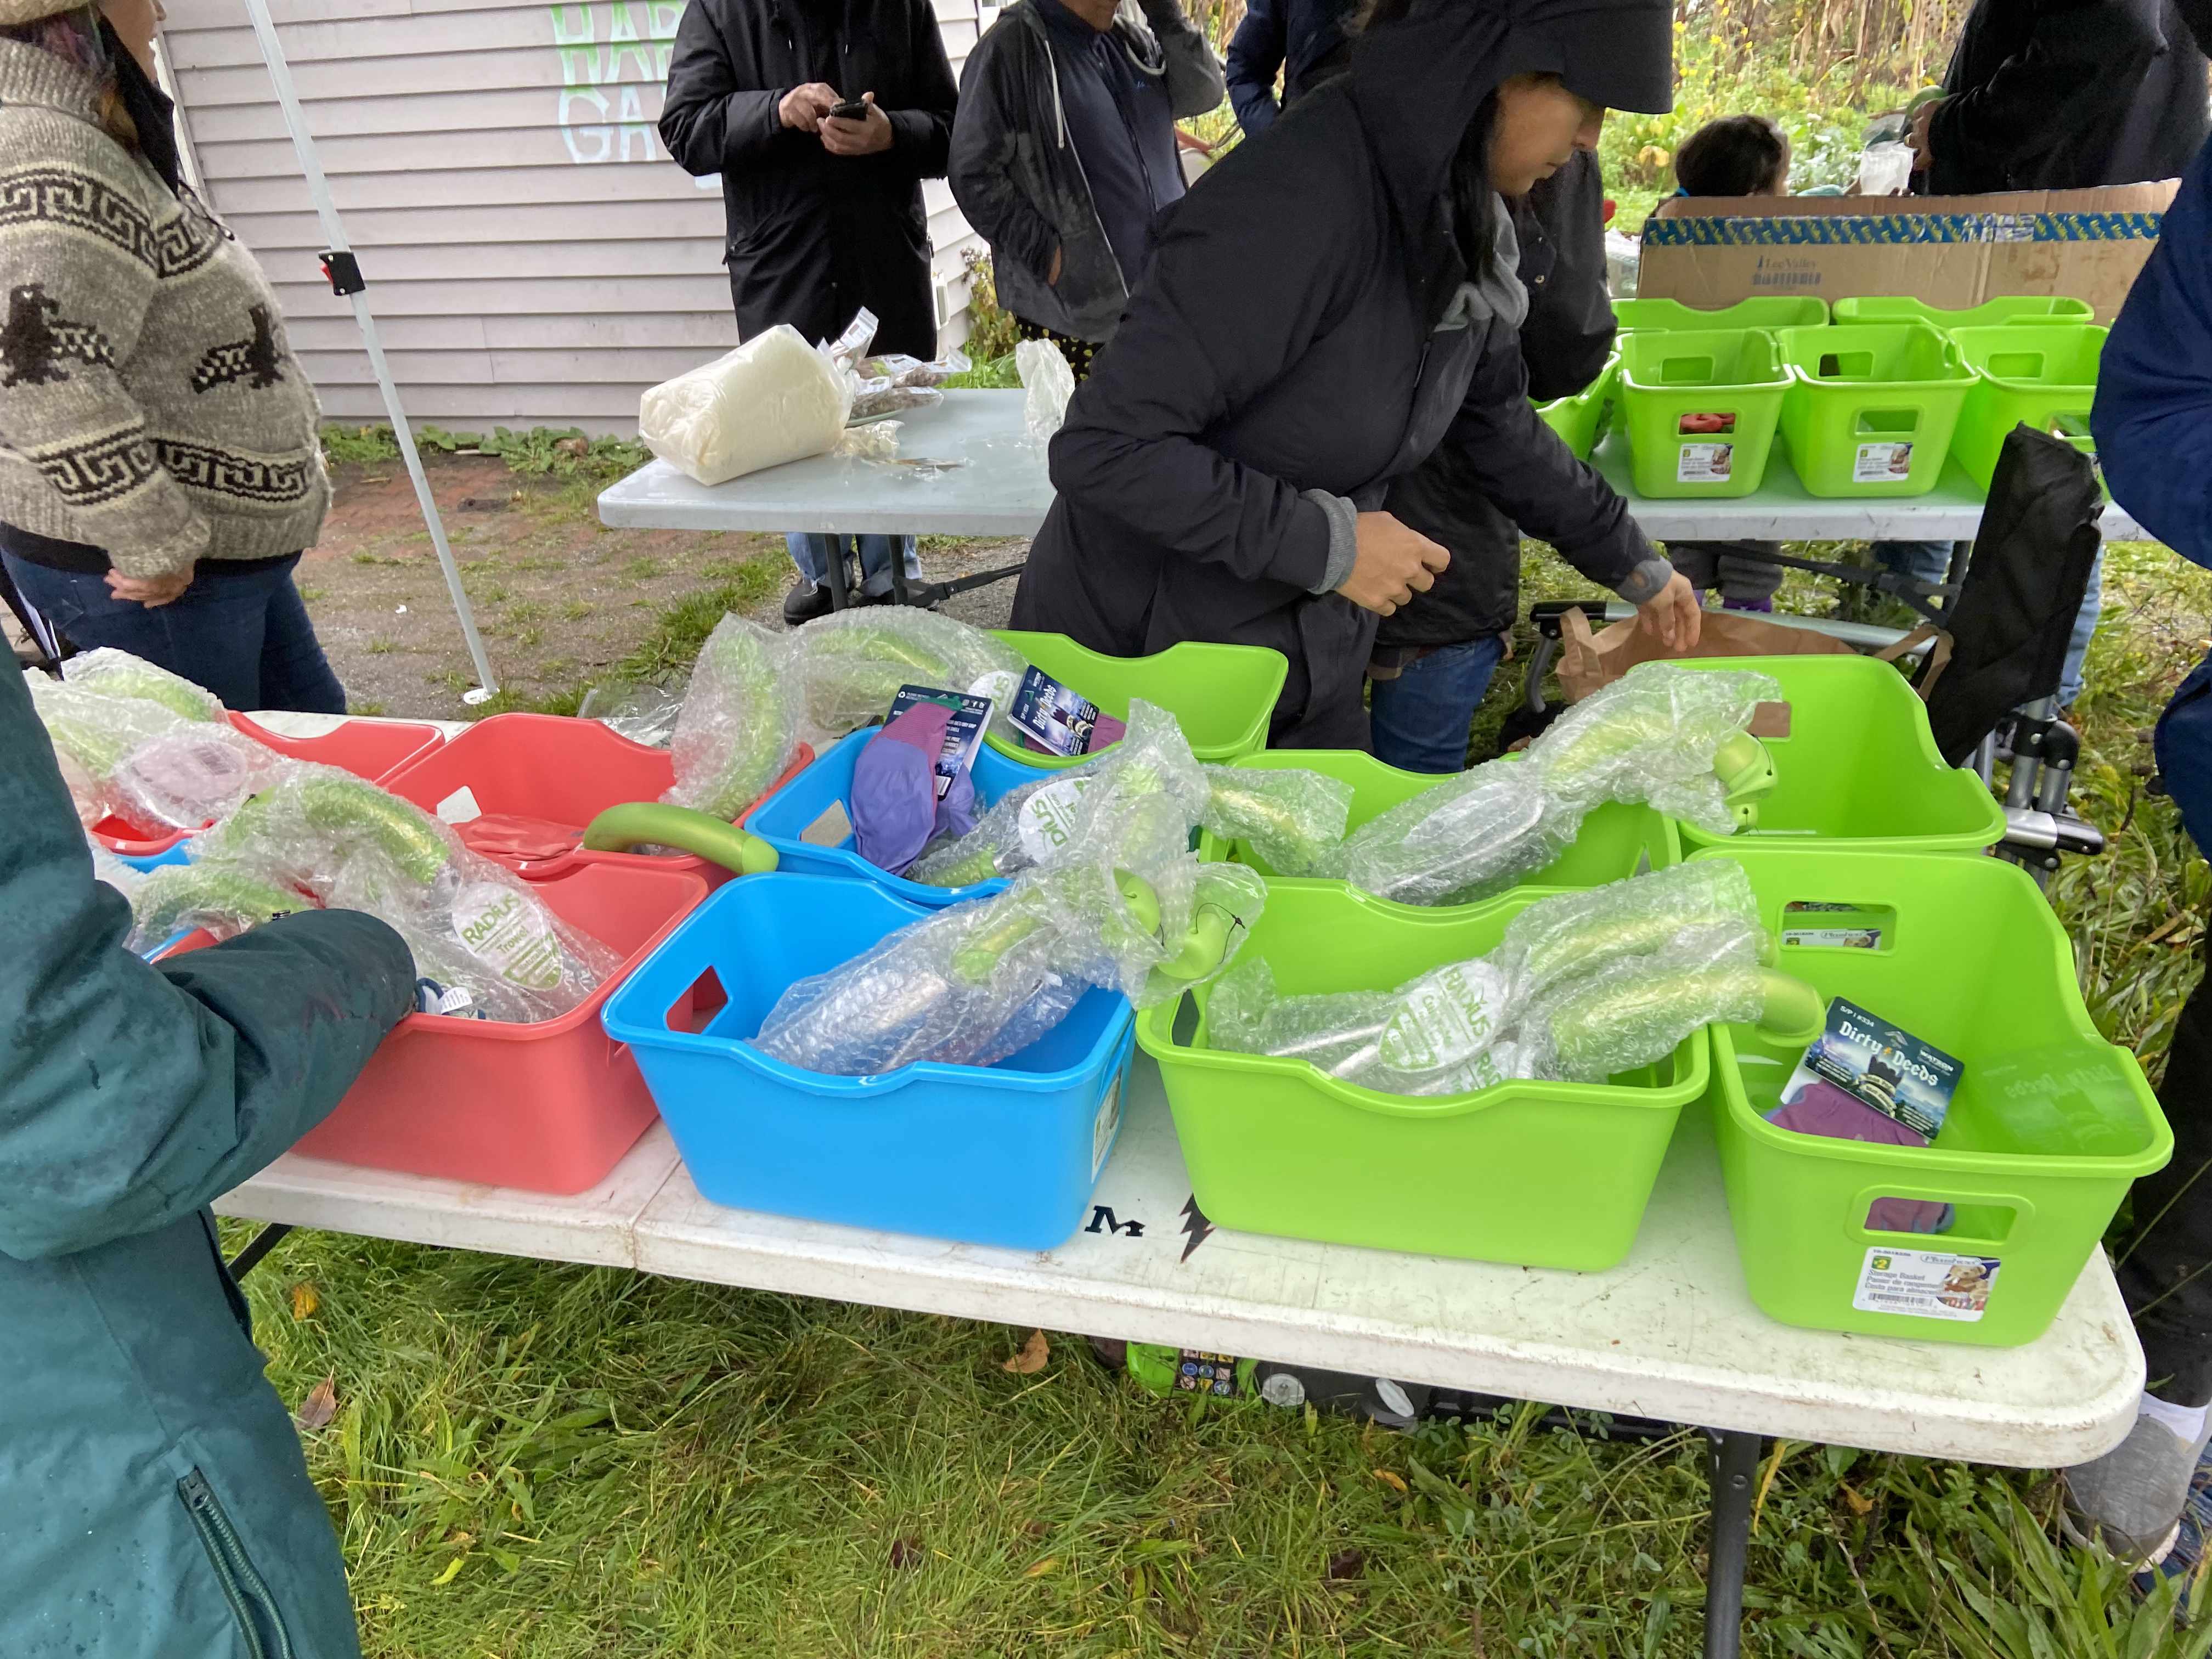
(853, 109)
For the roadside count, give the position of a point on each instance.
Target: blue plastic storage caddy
(180, 853)
(784, 816)
(1006, 1154)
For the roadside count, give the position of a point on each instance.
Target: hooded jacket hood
(1417, 82)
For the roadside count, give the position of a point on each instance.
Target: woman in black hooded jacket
(1337, 303)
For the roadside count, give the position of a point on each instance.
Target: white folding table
(1001, 490)
(1670, 1334)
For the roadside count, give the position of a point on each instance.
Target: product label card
(1926, 1284)
(1198, 1372)
(1044, 709)
(507, 931)
(1861, 938)
(1887, 463)
(1705, 463)
(962, 737)
(1047, 821)
(1878, 1064)
(1106, 1124)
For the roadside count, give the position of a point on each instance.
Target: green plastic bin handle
(651, 824)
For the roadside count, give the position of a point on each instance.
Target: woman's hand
(1673, 614)
(1391, 565)
(150, 591)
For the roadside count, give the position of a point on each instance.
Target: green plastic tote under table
(1859, 770)
(1223, 696)
(1870, 410)
(1701, 408)
(1547, 1175)
(1617, 840)
(2049, 1126)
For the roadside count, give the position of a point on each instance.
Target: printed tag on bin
(1926, 1284)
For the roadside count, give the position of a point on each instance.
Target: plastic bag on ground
(845, 667)
(115, 673)
(1048, 382)
(1293, 820)
(775, 399)
(735, 731)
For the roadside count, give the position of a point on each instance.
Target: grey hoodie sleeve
(1196, 84)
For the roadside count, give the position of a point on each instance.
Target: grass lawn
(538, 1461)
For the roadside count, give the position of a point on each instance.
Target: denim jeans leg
(1927, 562)
(294, 672)
(211, 634)
(1420, 719)
(876, 553)
(2085, 629)
(811, 553)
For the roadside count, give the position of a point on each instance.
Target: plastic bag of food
(775, 399)
(187, 777)
(1048, 382)
(876, 398)
(114, 673)
(848, 666)
(735, 731)
(902, 370)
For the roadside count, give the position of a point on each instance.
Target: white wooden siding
(534, 258)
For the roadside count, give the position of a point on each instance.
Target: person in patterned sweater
(160, 470)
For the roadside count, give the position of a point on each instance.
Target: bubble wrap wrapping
(736, 729)
(470, 923)
(184, 778)
(1148, 783)
(1649, 736)
(850, 665)
(96, 733)
(106, 868)
(114, 673)
(1292, 820)
(226, 902)
(1583, 986)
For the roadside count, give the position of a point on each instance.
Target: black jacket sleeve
(985, 134)
(922, 131)
(1193, 350)
(1255, 59)
(1498, 451)
(1570, 327)
(713, 122)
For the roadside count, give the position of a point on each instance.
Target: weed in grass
(529, 638)
(486, 590)
(643, 569)
(366, 706)
(537, 561)
(452, 678)
(526, 610)
(575, 610)
(360, 445)
(309, 594)
(377, 558)
(381, 648)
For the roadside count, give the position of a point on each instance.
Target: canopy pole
(344, 272)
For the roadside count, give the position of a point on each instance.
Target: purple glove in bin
(1822, 1109)
(893, 801)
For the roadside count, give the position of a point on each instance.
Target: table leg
(1733, 1466)
(834, 572)
(256, 1247)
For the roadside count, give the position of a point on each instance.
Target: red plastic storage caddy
(562, 770)
(550, 1108)
(371, 749)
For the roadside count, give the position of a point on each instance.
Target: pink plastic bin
(375, 750)
(563, 771)
(549, 1108)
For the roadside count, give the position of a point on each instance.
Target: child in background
(1735, 155)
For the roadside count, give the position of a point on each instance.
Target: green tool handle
(645, 822)
(1795, 1011)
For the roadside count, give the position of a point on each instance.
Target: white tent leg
(303, 145)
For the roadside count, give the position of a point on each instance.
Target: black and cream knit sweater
(148, 404)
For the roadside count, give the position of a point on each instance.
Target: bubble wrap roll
(735, 731)
(850, 664)
(1293, 821)
(1651, 736)
(1573, 935)
(1466, 838)
(1637, 1010)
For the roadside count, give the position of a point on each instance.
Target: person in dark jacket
(1064, 153)
(1434, 659)
(2065, 94)
(824, 212)
(1338, 303)
(2153, 423)
(155, 1501)
(1305, 41)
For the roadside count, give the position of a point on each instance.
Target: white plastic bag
(775, 399)
(1049, 383)
(1885, 169)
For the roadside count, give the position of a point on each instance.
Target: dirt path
(559, 597)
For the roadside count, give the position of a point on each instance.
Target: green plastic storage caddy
(1701, 408)
(1617, 840)
(2044, 376)
(2040, 309)
(1871, 409)
(1767, 311)
(1579, 417)
(1223, 696)
(2049, 1126)
(1545, 1174)
(1859, 771)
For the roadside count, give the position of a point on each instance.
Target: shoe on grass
(2130, 1501)
(806, 601)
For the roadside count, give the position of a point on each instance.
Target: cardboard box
(1952, 250)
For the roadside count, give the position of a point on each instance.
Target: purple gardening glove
(893, 805)
(1822, 1109)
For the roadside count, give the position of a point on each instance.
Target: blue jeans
(242, 635)
(811, 553)
(1420, 719)
(1928, 561)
